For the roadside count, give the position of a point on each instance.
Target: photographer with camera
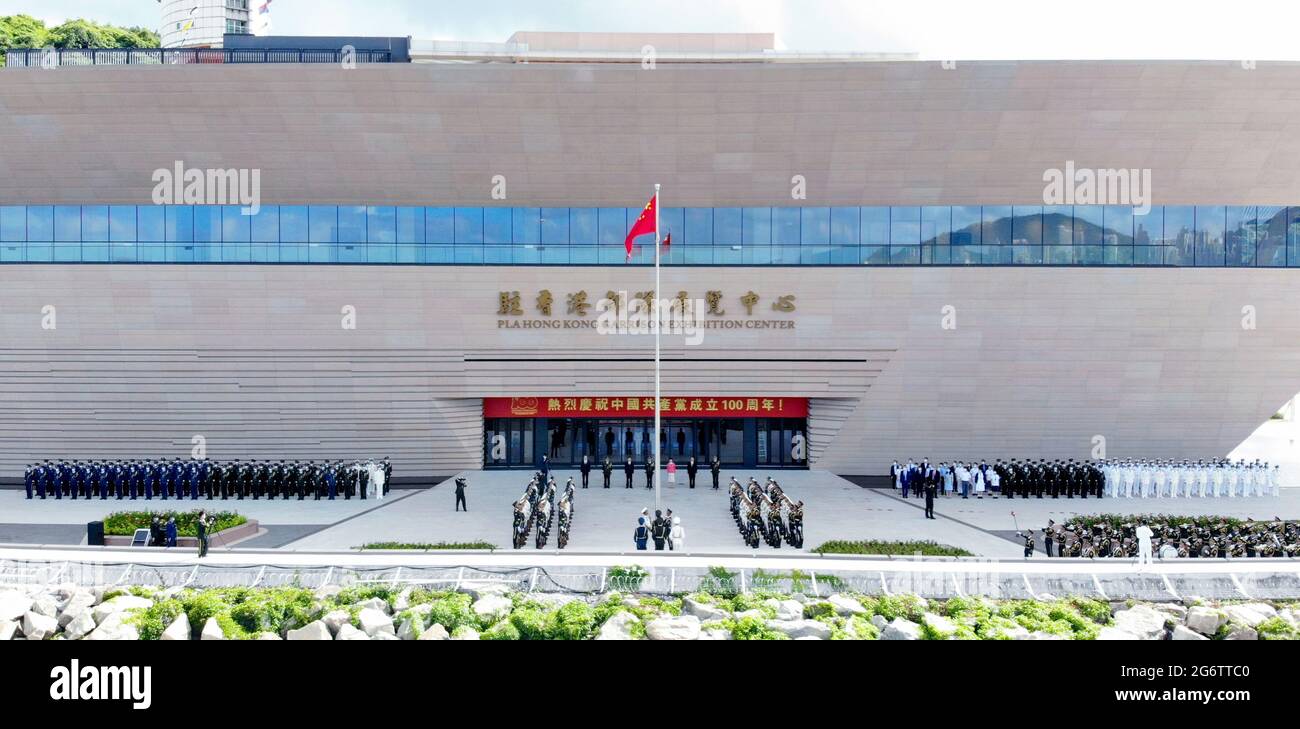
(461, 485)
(205, 522)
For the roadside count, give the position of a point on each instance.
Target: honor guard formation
(194, 479)
(1220, 538)
(756, 508)
(537, 510)
(1115, 478)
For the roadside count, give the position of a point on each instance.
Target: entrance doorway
(737, 442)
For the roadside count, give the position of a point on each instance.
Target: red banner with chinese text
(644, 407)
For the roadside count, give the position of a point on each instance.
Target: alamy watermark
(76, 682)
(1082, 186)
(213, 186)
(681, 316)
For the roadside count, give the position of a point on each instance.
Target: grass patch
(874, 547)
(428, 547)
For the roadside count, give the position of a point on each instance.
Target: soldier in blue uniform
(54, 479)
(27, 480)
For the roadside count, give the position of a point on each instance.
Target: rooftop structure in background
(57, 58)
(237, 46)
(548, 47)
(202, 23)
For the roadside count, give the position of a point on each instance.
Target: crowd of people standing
(1115, 478)
(203, 479)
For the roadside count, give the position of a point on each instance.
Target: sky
(934, 29)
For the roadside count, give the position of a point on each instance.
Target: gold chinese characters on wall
(578, 303)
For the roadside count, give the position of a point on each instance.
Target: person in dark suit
(650, 472)
(659, 531)
(607, 468)
(692, 468)
(203, 524)
(715, 468)
(628, 470)
(586, 470)
(931, 479)
(460, 494)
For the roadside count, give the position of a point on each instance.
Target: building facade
(422, 278)
(203, 23)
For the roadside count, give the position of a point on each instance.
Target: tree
(24, 31)
(80, 33)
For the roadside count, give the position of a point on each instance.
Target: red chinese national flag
(644, 224)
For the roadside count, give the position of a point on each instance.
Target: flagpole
(658, 324)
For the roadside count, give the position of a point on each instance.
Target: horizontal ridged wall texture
(256, 358)
(562, 135)
(1039, 362)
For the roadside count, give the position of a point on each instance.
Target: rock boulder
(683, 627)
(316, 630)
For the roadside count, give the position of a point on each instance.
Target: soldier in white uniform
(1130, 476)
(1217, 475)
(1203, 477)
(1275, 479)
(1144, 477)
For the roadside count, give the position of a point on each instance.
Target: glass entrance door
(777, 438)
(509, 442)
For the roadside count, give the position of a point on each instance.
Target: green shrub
(530, 621)
(1276, 628)
(274, 610)
(199, 606)
(152, 621)
(453, 611)
(753, 629)
(573, 621)
(873, 547)
(124, 523)
(891, 607)
(427, 547)
(503, 630)
(608, 608)
(669, 607)
(818, 610)
(863, 628)
(1095, 610)
(353, 595)
(745, 601)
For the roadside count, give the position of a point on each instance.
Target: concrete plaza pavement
(604, 519)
